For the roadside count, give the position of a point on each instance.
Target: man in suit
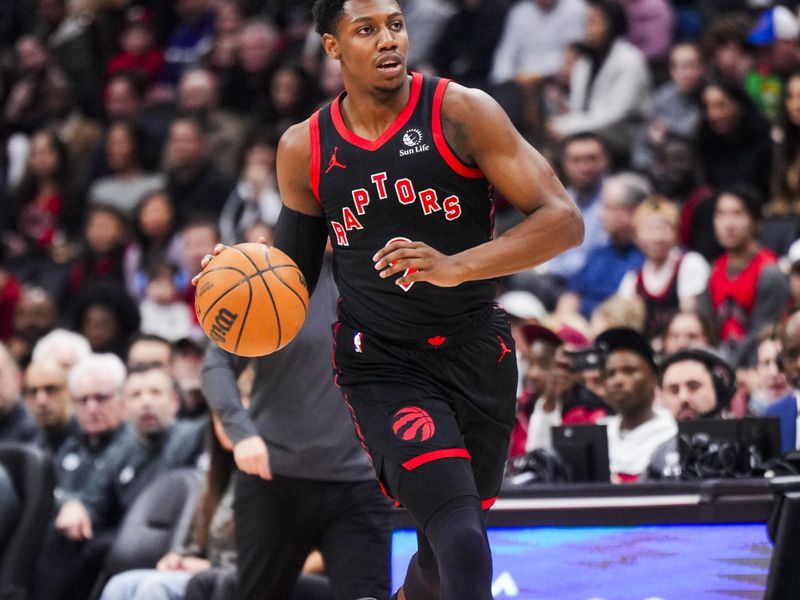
(786, 408)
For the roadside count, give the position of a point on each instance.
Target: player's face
(371, 43)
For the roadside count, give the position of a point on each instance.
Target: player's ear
(331, 46)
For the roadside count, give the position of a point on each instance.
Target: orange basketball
(251, 299)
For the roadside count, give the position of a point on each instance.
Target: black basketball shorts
(447, 396)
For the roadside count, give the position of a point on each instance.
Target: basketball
(251, 299)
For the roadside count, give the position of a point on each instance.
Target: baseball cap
(625, 338)
(534, 332)
(776, 23)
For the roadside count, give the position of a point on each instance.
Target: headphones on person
(538, 466)
(722, 373)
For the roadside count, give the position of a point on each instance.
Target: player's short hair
(657, 206)
(326, 14)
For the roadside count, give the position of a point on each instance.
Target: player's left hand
(418, 262)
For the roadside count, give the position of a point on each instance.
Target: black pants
(279, 522)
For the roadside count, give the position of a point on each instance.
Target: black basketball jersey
(405, 185)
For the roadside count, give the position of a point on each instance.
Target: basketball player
(397, 172)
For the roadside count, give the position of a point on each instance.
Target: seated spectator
(605, 266)
(725, 44)
(638, 428)
(785, 188)
(107, 317)
(786, 408)
(95, 388)
(16, 423)
(198, 236)
(670, 279)
(607, 83)
(67, 348)
(696, 383)
(210, 545)
(129, 180)
(44, 388)
(187, 369)
(35, 315)
(100, 260)
(10, 292)
(770, 383)
(228, 19)
(292, 97)
(520, 55)
(139, 51)
(150, 349)
(734, 144)
(650, 24)
(688, 328)
(255, 197)
(674, 107)
(193, 183)
(746, 289)
(618, 311)
(155, 242)
(190, 40)
(553, 393)
(198, 97)
(163, 310)
(25, 98)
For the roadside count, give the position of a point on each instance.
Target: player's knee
(462, 533)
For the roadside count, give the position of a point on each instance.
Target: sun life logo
(412, 137)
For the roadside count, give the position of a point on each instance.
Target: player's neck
(369, 112)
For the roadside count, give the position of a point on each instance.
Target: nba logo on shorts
(357, 342)
(413, 424)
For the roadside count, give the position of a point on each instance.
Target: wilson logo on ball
(223, 323)
(413, 424)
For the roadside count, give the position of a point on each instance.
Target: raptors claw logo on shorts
(413, 424)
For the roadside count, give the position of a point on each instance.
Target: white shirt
(629, 451)
(539, 426)
(693, 276)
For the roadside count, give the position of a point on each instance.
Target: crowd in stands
(137, 134)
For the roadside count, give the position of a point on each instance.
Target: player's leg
(356, 540)
(274, 524)
(422, 576)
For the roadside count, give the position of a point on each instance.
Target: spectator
(35, 315)
(193, 183)
(46, 394)
(197, 238)
(618, 311)
(255, 197)
(585, 161)
(129, 180)
(292, 97)
(725, 43)
(606, 265)
(650, 28)
(156, 241)
(187, 369)
(464, 49)
(67, 348)
(427, 19)
(138, 50)
(10, 292)
(198, 97)
(786, 408)
(669, 279)
(190, 41)
(638, 428)
(520, 55)
(688, 328)
(150, 349)
(785, 199)
(696, 384)
(210, 545)
(163, 310)
(734, 144)
(674, 107)
(746, 289)
(108, 318)
(770, 382)
(676, 174)
(124, 97)
(16, 423)
(607, 82)
(228, 21)
(245, 87)
(105, 233)
(24, 104)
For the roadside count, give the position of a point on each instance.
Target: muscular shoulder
(295, 143)
(293, 167)
(470, 120)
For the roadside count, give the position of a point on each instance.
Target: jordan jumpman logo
(503, 349)
(333, 162)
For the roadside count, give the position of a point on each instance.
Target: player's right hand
(252, 457)
(74, 521)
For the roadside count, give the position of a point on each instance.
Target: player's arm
(480, 133)
(220, 373)
(301, 232)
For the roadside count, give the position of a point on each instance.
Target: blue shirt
(600, 277)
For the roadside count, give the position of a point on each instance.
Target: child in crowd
(163, 311)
